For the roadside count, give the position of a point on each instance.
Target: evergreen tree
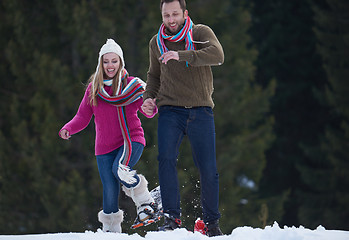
(244, 126)
(48, 66)
(325, 198)
(282, 32)
(34, 167)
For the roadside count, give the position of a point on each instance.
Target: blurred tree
(243, 122)
(282, 32)
(35, 164)
(325, 198)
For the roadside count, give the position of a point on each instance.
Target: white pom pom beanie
(111, 47)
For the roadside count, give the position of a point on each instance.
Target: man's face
(173, 16)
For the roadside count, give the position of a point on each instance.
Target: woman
(114, 99)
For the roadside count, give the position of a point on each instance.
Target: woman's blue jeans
(108, 166)
(198, 124)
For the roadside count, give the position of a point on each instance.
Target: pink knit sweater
(108, 132)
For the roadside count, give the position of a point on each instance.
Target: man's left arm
(209, 51)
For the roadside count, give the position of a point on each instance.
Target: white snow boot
(147, 209)
(111, 222)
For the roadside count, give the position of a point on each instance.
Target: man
(180, 83)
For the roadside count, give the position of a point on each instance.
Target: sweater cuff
(155, 111)
(187, 56)
(147, 95)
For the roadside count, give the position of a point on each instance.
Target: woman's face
(111, 64)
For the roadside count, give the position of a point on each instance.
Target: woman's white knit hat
(111, 47)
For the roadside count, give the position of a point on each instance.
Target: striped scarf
(186, 33)
(127, 95)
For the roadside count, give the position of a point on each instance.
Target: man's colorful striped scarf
(186, 33)
(126, 95)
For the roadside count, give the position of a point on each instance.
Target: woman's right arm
(81, 119)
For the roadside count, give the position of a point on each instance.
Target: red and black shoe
(200, 226)
(210, 229)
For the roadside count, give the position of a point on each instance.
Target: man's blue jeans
(198, 124)
(108, 166)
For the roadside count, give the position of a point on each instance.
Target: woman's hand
(148, 106)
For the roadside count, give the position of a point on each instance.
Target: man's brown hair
(181, 3)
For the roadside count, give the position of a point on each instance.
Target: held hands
(148, 106)
(64, 134)
(167, 56)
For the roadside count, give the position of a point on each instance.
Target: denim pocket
(208, 111)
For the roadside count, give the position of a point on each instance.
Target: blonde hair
(97, 82)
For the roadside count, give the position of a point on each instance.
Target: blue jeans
(108, 167)
(198, 124)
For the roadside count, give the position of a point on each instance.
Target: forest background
(282, 111)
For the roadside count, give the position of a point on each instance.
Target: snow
(273, 232)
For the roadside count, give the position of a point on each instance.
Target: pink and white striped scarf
(126, 95)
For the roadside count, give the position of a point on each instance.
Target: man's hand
(167, 56)
(64, 134)
(148, 106)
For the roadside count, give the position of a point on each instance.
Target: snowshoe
(147, 214)
(170, 223)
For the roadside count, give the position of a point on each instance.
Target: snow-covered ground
(241, 233)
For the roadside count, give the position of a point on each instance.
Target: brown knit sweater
(178, 85)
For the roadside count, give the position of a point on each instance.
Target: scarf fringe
(126, 174)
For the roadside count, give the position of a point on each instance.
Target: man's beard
(177, 31)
